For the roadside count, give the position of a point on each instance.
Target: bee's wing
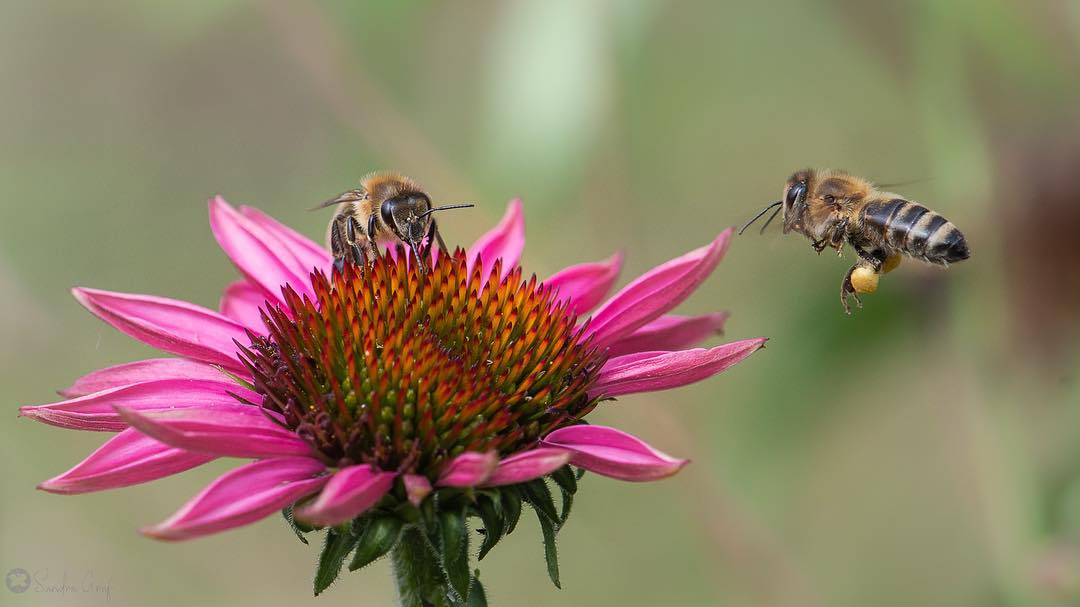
(349, 196)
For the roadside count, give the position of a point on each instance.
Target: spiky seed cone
(406, 369)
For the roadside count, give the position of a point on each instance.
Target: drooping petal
(655, 292)
(242, 302)
(613, 453)
(652, 371)
(585, 285)
(468, 469)
(139, 372)
(307, 253)
(97, 411)
(346, 495)
(172, 326)
(129, 458)
(226, 430)
(258, 254)
(417, 487)
(527, 465)
(243, 496)
(670, 332)
(505, 241)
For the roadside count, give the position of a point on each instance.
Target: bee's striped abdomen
(915, 230)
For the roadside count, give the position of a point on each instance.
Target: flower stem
(417, 574)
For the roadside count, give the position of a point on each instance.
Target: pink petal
(655, 292)
(129, 458)
(417, 487)
(613, 453)
(652, 371)
(243, 302)
(243, 496)
(306, 252)
(97, 411)
(586, 285)
(257, 253)
(142, 371)
(176, 327)
(505, 241)
(348, 493)
(527, 465)
(226, 430)
(468, 469)
(670, 332)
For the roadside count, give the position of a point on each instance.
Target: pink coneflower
(387, 404)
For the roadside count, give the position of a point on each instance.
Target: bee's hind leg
(848, 290)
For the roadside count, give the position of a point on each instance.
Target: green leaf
(547, 526)
(491, 513)
(378, 538)
(477, 596)
(564, 477)
(454, 545)
(339, 543)
(288, 514)
(511, 505)
(539, 496)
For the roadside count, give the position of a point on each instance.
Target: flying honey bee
(832, 208)
(386, 208)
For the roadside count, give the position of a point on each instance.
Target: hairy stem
(417, 574)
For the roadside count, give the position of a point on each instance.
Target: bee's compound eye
(794, 193)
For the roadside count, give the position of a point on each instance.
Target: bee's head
(794, 200)
(407, 216)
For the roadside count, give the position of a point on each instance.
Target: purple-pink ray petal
(139, 372)
(129, 458)
(172, 326)
(585, 285)
(670, 332)
(655, 292)
(652, 371)
(306, 252)
(614, 453)
(348, 493)
(243, 302)
(97, 411)
(259, 256)
(243, 495)
(527, 465)
(505, 241)
(224, 430)
(417, 487)
(468, 469)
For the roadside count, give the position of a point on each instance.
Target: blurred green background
(925, 451)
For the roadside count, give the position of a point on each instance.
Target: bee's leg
(838, 236)
(373, 246)
(818, 245)
(337, 245)
(438, 238)
(847, 290)
(353, 239)
(875, 257)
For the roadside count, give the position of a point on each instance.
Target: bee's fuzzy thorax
(382, 185)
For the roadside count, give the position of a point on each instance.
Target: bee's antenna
(758, 216)
(769, 220)
(445, 208)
